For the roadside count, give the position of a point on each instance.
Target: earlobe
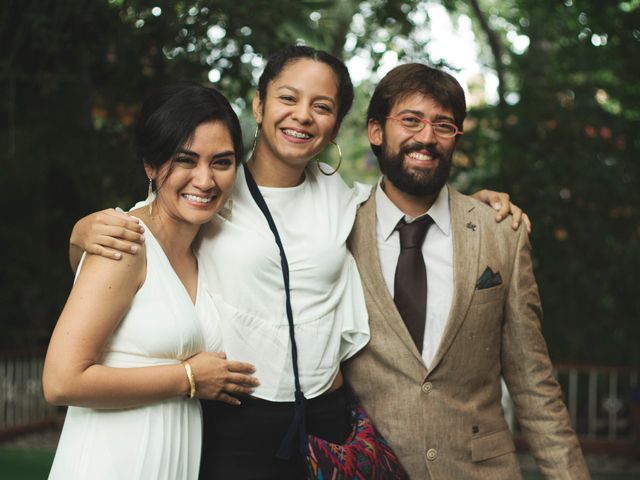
(150, 171)
(375, 133)
(257, 108)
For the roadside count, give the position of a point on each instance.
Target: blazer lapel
(466, 248)
(365, 249)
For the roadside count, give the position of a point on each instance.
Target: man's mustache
(416, 147)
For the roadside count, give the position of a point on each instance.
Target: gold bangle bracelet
(192, 380)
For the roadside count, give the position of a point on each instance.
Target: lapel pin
(471, 226)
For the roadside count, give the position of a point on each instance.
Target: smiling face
(195, 184)
(416, 163)
(298, 117)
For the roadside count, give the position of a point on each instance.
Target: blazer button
(427, 387)
(432, 454)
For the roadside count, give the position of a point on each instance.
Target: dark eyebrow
(418, 113)
(187, 152)
(226, 153)
(319, 97)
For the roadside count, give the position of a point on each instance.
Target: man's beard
(419, 183)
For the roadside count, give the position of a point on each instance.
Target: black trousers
(240, 442)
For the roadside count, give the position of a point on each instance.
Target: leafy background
(561, 137)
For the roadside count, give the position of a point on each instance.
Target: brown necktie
(410, 282)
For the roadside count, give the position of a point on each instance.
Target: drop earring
(150, 196)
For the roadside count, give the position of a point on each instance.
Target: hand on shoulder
(501, 203)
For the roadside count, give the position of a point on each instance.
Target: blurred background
(553, 88)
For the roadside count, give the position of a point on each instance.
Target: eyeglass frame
(425, 122)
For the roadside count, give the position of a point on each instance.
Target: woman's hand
(500, 202)
(107, 233)
(218, 378)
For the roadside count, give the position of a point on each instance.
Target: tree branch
(496, 49)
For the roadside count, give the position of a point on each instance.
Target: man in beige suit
(435, 395)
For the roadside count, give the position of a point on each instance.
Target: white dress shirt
(437, 251)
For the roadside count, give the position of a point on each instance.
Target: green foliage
(32, 464)
(563, 139)
(567, 151)
(73, 78)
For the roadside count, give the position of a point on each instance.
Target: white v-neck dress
(161, 440)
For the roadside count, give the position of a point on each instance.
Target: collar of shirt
(389, 215)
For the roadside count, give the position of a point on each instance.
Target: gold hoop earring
(255, 138)
(149, 196)
(339, 162)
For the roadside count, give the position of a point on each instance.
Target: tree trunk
(496, 49)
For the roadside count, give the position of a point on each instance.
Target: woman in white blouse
(302, 97)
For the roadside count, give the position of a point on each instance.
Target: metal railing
(22, 404)
(602, 402)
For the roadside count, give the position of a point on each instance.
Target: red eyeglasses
(416, 124)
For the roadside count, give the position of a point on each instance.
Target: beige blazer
(447, 423)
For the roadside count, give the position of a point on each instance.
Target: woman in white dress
(127, 353)
(302, 97)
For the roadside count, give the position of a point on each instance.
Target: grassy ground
(21, 464)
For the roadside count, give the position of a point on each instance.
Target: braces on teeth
(293, 133)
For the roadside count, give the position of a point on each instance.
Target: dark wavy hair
(170, 116)
(283, 57)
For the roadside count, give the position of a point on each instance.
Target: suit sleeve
(528, 373)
